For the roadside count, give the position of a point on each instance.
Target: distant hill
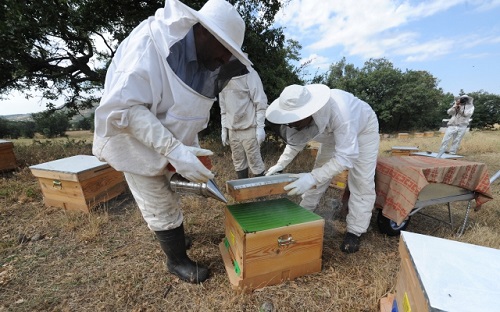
(17, 117)
(27, 117)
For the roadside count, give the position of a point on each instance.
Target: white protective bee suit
(348, 131)
(148, 117)
(243, 105)
(457, 125)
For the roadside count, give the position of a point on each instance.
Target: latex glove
(224, 137)
(274, 169)
(261, 135)
(185, 162)
(304, 183)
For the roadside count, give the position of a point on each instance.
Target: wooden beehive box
(268, 242)
(78, 182)
(7, 157)
(313, 146)
(403, 150)
(340, 181)
(251, 188)
(437, 274)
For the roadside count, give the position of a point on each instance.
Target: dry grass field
(108, 260)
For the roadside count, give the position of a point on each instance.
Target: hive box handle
(285, 240)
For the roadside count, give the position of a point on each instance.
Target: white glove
(224, 138)
(274, 169)
(185, 162)
(261, 135)
(198, 151)
(304, 183)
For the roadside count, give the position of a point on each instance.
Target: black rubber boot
(350, 243)
(242, 174)
(173, 244)
(188, 242)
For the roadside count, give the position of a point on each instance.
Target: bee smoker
(179, 184)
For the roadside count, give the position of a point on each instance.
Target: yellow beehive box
(403, 135)
(7, 157)
(78, 182)
(269, 242)
(418, 134)
(403, 150)
(340, 181)
(429, 134)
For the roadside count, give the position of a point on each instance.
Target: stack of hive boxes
(268, 241)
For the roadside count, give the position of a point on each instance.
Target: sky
(456, 41)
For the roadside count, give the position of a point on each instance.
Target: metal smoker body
(179, 184)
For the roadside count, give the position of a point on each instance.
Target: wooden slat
(272, 278)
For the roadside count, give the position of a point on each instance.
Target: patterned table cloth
(399, 180)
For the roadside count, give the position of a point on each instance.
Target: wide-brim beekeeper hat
(297, 102)
(223, 21)
(469, 99)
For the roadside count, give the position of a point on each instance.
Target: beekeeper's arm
(146, 128)
(346, 149)
(469, 110)
(223, 122)
(285, 159)
(259, 99)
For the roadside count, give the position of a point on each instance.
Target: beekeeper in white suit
(347, 130)
(243, 105)
(157, 96)
(460, 112)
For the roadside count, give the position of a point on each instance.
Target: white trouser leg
(450, 133)
(361, 182)
(159, 206)
(460, 132)
(245, 150)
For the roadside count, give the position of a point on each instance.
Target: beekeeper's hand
(261, 135)
(274, 169)
(304, 183)
(185, 162)
(285, 159)
(224, 138)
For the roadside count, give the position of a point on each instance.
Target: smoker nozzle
(179, 184)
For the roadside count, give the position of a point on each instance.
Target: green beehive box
(268, 242)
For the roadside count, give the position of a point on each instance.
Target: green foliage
(84, 123)
(51, 124)
(51, 45)
(16, 129)
(486, 110)
(402, 100)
